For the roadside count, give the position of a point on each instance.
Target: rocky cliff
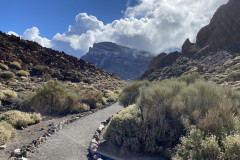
(127, 63)
(215, 55)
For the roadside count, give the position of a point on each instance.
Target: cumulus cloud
(33, 35)
(152, 25)
(13, 33)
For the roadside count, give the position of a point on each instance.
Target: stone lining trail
(72, 142)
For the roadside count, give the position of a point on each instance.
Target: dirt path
(71, 143)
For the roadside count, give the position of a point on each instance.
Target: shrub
(23, 73)
(73, 76)
(80, 107)
(20, 119)
(39, 70)
(195, 146)
(7, 132)
(190, 78)
(231, 146)
(155, 103)
(52, 98)
(3, 66)
(234, 76)
(15, 64)
(7, 94)
(208, 106)
(110, 96)
(124, 130)
(130, 93)
(167, 109)
(91, 97)
(6, 75)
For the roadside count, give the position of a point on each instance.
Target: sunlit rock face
(127, 63)
(224, 28)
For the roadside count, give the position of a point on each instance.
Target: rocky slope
(33, 64)
(127, 63)
(214, 55)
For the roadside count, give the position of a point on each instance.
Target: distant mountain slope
(215, 53)
(127, 63)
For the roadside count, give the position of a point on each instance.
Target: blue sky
(73, 26)
(54, 16)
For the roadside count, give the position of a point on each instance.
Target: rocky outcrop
(213, 55)
(223, 29)
(127, 63)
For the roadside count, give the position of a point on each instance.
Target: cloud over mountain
(153, 25)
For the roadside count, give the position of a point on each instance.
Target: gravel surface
(72, 142)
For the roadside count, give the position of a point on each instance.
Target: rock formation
(127, 63)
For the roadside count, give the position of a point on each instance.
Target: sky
(73, 26)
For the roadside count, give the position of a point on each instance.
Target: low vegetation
(110, 96)
(6, 75)
(51, 98)
(20, 119)
(23, 73)
(3, 66)
(15, 65)
(7, 132)
(130, 93)
(204, 114)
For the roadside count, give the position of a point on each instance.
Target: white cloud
(13, 33)
(33, 35)
(153, 25)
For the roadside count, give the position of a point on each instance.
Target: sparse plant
(3, 66)
(15, 64)
(23, 73)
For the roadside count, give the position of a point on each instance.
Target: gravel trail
(72, 142)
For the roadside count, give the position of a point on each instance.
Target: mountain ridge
(126, 62)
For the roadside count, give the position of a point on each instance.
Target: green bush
(167, 109)
(20, 119)
(110, 96)
(124, 130)
(6, 75)
(155, 103)
(195, 146)
(130, 93)
(39, 70)
(231, 146)
(7, 94)
(52, 98)
(93, 98)
(208, 106)
(7, 132)
(234, 76)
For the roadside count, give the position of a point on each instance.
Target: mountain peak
(126, 62)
